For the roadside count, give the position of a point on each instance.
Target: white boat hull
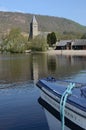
(53, 123)
(71, 115)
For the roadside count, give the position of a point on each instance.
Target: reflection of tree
(51, 63)
(15, 67)
(21, 67)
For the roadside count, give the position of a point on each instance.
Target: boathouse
(64, 45)
(78, 44)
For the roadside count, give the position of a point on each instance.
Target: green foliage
(38, 44)
(51, 39)
(68, 35)
(83, 36)
(71, 35)
(14, 42)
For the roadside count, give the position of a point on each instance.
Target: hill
(10, 20)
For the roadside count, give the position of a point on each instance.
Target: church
(34, 29)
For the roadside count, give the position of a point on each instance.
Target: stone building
(33, 28)
(34, 31)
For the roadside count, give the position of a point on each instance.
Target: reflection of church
(38, 67)
(35, 69)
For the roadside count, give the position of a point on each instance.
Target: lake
(19, 107)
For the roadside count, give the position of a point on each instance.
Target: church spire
(34, 20)
(33, 28)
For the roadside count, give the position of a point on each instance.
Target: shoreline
(67, 52)
(59, 52)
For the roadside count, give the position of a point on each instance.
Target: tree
(38, 44)
(14, 41)
(83, 36)
(51, 39)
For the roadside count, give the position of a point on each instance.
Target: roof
(63, 42)
(34, 20)
(79, 42)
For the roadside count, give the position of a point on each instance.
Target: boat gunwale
(41, 85)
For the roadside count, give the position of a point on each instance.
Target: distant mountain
(10, 20)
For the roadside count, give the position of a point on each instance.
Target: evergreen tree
(51, 39)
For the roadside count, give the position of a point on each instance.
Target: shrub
(38, 44)
(14, 42)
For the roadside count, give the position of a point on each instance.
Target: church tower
(33, 28)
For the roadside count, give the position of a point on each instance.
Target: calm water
(19, 108)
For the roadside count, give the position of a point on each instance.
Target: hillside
(10, 20)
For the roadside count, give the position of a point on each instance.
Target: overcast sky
(71, 9)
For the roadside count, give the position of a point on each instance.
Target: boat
(64, 103)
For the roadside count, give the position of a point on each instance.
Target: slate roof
(79, 42)
(63, 42)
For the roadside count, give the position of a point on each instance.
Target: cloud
(20, 11)
(8, 10)
(3, 9)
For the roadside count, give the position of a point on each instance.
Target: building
(64, 45)
(33, 28)
(78, 44)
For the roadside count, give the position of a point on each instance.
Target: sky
(71, 9)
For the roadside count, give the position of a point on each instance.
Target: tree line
(16, 42)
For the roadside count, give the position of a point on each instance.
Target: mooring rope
(67, 92)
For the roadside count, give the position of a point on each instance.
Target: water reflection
(19, 108)
(58, 66)
(51, 64)
(21, 67)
